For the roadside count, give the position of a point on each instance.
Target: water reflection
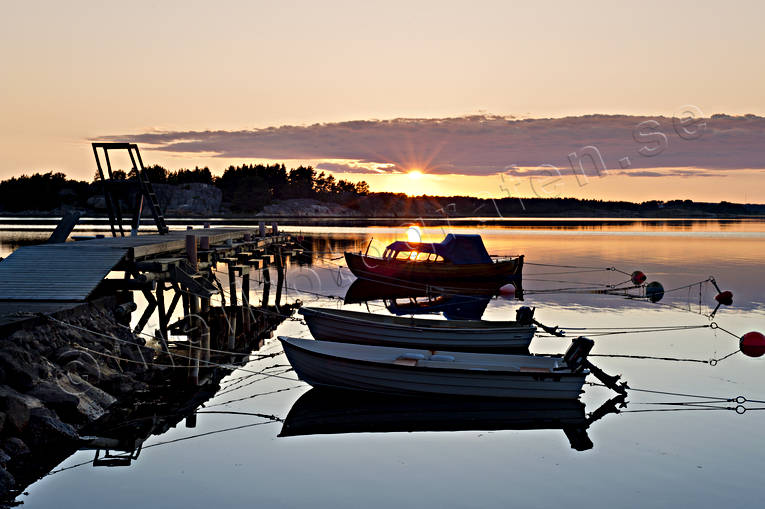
(327, 411)
(410, 300)
(677, 452)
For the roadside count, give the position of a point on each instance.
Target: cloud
(486, 144)
(355, 168)
(691, 172)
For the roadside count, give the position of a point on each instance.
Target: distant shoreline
(30, 219)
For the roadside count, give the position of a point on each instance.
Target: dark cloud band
(485, 145)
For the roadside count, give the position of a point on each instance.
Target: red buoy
(752, 344)
(507, 291)
(638, 278)
(725, 298)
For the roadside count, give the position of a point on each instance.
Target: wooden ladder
(145, 190)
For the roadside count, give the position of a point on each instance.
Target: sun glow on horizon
(414, 234)
(415, 174)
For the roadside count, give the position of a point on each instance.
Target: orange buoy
(638, 278)
(507, 291)
(752, 344)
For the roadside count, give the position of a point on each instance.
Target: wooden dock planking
(55, 272)
(142, 246)
(71, 271)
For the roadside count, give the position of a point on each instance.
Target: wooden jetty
(49, 280)
(71, 271)
(57, 276)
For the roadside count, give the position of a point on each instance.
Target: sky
(483, 98)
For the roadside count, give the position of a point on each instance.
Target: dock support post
(150, 307)
(232, 284)
(262, 228)
(233, 317)
(266, 287)
(194, 337)
(185, 300)
(246, 300)
(191, 251)
(279, 277)
(162, 315)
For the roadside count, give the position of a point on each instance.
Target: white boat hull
(321, 367)
(458, 335)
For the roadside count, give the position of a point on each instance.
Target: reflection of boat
(328, 411)
(411, 371)
(457, 260)
(455, 304)
(375, 329)
(453, 307)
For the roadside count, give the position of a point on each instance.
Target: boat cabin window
(390, 254)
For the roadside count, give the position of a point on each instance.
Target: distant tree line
(246, 188)
(250, 187)
(42, 191)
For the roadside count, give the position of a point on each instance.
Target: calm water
(695, 457)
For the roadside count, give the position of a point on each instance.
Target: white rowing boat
(413, 371)
(455, 335)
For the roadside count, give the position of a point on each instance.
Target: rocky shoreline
(76, 373)
(54, 382)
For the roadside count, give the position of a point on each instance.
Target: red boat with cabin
(458, 260)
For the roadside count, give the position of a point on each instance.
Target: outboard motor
(576, 360)
(524, 315)
(576, 355)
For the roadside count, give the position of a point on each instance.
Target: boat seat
(464, 365)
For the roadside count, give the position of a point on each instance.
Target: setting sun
(415, 174)
(414, 234)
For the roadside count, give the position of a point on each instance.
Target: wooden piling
(163, 318)
(266, 286)
(279, 276)
(234, 307)
(246, 300)
(191, 251)
(194, 337)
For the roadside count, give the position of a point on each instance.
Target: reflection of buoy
(654, 291)
(507, 291)
(752, 344)
(638, 278)
(725, 298)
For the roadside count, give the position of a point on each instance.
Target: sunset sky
(484, 98)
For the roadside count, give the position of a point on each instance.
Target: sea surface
(663, 449)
